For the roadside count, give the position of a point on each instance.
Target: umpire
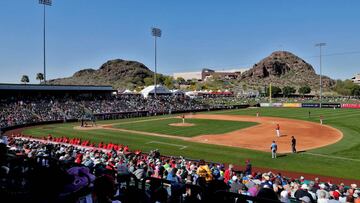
(293, 144)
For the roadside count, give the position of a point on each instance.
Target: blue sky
(196, 34)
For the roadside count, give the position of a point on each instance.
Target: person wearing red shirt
(277, 130)
(228, 173)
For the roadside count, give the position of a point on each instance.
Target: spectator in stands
(356, 196)
(228, 173)
(322, 197)
(204, 171)
(104, 190)
(268, 194)
(3, 138)
(284, 196)
(236, 186)
(248, 168)
(106, 163)
(173, 177)
(303, 191)
(305, 199)
(322, 190)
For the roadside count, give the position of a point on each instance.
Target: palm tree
(40, 77)
(25, 79)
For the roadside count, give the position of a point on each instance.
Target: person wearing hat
(293, 144)
(273, 148)
(236, 185)
(334, 197)
(302, 192)
(322, 187)
(277, 130)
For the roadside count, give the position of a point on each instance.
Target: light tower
(45, 3)
(156, 32)
(320, 45)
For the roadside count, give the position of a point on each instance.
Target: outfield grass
(201, 126)
(338, 161)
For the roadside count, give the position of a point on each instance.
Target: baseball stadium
(278, 131)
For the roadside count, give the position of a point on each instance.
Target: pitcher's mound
(182, 124)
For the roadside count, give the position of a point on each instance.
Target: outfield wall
(311, 105)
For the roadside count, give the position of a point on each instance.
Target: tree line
(344, 88)
(287, 91)
(25, 78)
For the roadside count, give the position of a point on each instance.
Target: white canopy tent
(160, 90)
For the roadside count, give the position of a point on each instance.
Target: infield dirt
(309, 135)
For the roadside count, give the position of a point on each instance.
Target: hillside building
(206, 73)
(356, 79)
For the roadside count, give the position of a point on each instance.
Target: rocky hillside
(117, 73)
(283, 68)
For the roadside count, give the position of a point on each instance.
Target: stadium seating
(81, 173)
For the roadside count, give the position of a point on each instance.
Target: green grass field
(201, 126)
(338, 160)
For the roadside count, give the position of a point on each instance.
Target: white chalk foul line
(165, 143)
(332, 157)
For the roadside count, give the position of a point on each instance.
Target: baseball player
(183, 118)
(257, 114)
(273, 148)
(293, 144)
(277, 130)
(321, 119)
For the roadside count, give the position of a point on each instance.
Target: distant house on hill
(206, 73)
(356, 79)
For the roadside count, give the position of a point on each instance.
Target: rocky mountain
(280, 69)
(117, 73)
(283, 68)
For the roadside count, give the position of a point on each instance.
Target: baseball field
(233, 136)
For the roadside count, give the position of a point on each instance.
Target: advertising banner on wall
(330, 105)
(292, 105)
(350, 106)
(310, 105)
(277, 104)
(264, 104)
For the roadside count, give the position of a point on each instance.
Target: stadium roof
(34, 87)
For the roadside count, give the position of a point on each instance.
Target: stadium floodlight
(320, 45)
(155, 32)
(45, 3)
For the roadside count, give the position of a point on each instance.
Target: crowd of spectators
(23, 110)
(99, 171)
(36, 109)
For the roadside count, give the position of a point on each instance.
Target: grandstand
(129, 175)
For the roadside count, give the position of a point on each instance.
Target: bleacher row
(52, 171)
